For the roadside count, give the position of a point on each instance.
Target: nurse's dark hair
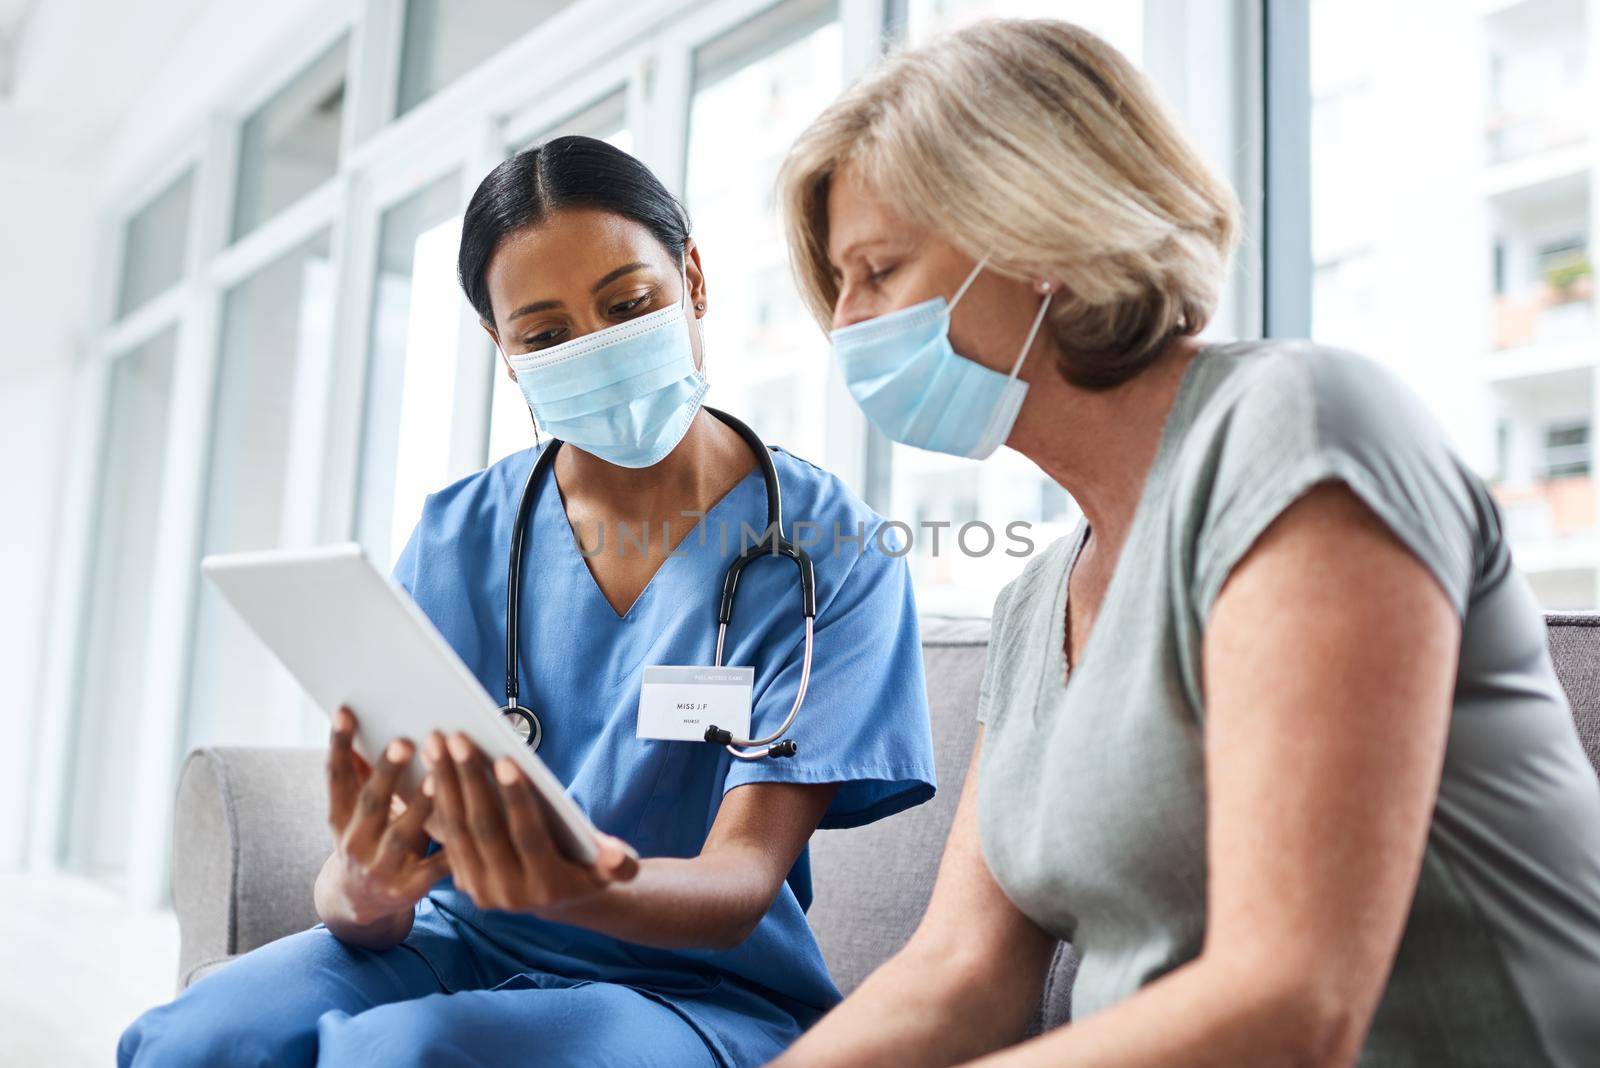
(564, 172)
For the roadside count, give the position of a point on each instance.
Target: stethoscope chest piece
(526, 724)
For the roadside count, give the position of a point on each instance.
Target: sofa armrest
(250, 835)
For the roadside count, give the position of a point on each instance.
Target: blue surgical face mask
(917, 390)
(626, 394)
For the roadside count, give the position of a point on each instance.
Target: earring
(700, 306)
(1044, 286)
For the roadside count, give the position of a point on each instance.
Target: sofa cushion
(873, 882)
(1575, 648)
(250, 834)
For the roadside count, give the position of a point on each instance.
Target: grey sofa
(251, 834)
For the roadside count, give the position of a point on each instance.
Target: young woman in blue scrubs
(452, 931)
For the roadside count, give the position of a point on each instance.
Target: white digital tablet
(352, 637)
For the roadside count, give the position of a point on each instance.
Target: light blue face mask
(919, 391)
(626, 394)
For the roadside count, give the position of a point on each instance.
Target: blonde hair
(1033, 142)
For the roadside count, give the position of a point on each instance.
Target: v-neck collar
(570, 540)
(1059, 679)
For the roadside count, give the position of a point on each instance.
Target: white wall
(45, 279)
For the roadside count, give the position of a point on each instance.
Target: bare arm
(505, 858)
(967, 982)
(1330, 659)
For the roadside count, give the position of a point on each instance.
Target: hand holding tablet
(352, 638)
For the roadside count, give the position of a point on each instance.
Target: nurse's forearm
(712, 901)
(336, 910)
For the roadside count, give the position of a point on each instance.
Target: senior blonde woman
(1273, 737)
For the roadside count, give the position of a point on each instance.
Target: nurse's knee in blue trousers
(182, 1033)
(520, 1022)
(263, 1008)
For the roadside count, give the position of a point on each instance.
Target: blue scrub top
(864, 723)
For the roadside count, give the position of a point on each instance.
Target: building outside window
(1566, 450)
(1452, 220)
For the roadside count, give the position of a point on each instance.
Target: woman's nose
(849, 309)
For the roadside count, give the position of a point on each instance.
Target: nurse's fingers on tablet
(486, 822)
(530, 832)
(372, 803)
(343, 780)
(404, 838)
(452, 813)
(550, 878)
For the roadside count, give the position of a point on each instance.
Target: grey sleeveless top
(1092, 800)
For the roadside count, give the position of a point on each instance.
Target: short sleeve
(864, 723)
(405, 567)
(1316, 415)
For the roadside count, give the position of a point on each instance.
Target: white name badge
(677, 704)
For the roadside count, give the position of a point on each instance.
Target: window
(274, 330)
(133, 461)
(445, 40)
(1460, 258)
(510, 422)
(755, 89)
(290, 145)
(1566, 449)
(411, 366)
(605, 119)
(154, 246)
(1535, 78)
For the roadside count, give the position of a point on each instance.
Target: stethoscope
(523, 719)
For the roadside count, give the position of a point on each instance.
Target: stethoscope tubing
(773, 544)
(737, 745)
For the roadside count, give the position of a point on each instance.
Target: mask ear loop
(1033, 332)
(973, 277)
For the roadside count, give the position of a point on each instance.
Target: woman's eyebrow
(612, 276)
(857, 248)
(836, 259)
(536, 306)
